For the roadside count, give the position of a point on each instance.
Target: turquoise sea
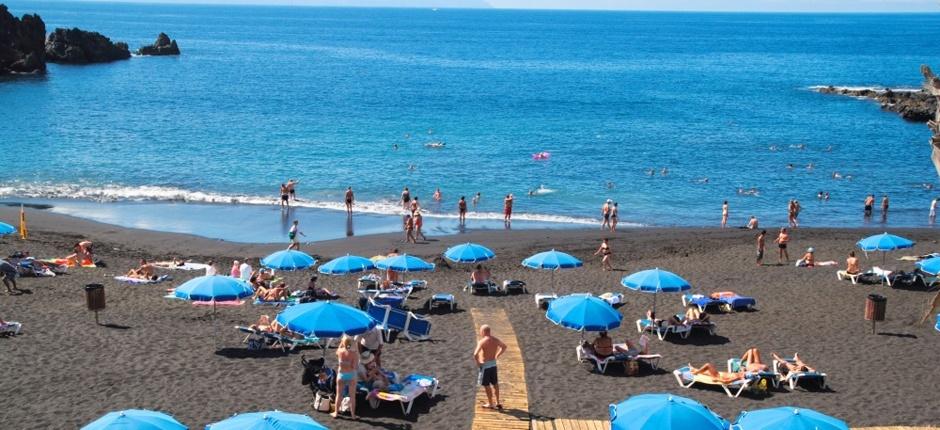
(324, 95)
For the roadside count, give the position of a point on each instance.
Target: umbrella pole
(654, 303)
(553, 281)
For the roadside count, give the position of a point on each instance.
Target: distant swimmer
(773, 148)
(437, 195)
(701, 180)
(810, 166)
(437, 144)
(789, 166)
(541, 191)
(395, 146)
(412, 167)
(828, 148)
(800, 147)
(836, 175)
(927, 186)
(476, 200)
(610, 185)
(407, 135)
(650, 172)
(430, 131)
(748, 191)
(664, 171)
(826, 196)
(349, 199)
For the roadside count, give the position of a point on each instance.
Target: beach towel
(220, 303)
(65, 262)
(168, 265)
(290, 302)
(827, 263)
(139, 281)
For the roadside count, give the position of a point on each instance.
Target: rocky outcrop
(162, 46)
(21, 43)
(912, 105)
(74, 46)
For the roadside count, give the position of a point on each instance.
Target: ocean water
(324, 95)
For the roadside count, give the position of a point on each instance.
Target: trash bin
(94, 297)
(875, 309)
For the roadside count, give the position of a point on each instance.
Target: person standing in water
(782, 239)
(869, 204)
(415, 206)
(462, 210)
(485, 355)
(405, 198)
(437, 195)
(292, 234)
(285, 196)
(476, 200)
(933, 210)
(605, 253)
(884, 206)
(605, 215)
(614, 215)
(760, 247)
(507, 209)
(724, 214)
(349, 199)
(291, 189)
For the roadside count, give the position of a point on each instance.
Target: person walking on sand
(760, 247)
(405, 198)
(869, 204)
(613, 217)
(724, 214)
(293, 234)
(489, 349)
(462, 210)
(347, 371)
(605, 252)
(782, 239)
(507, 208)
(349, 199)
(605, 215)
(8, 275)
(285, 196)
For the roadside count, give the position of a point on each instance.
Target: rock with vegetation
(75, 46)
(21, 43)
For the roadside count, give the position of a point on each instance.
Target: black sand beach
(63, 371)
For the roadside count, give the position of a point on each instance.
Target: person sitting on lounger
(603, 345)
(480, 276)
(276, 293)
(754, 363)
(693, 315)
(851, 267)
(370, 373)
(143, 271)
(709, 369)
(808, 260)
(632, 348)
(794, 365)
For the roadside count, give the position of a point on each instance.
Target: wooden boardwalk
(566, 424)
(512, 387)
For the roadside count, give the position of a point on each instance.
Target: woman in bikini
(604, 250)
(348, 371)
(409, 227)
(613, 218)
(794, 365)
(754, 363)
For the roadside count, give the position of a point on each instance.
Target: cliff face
(917, 106)
(75, 46)
(162, 46)
(21, 43)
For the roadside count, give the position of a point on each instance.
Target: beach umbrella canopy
(135, 419)
(271, 420)
(6, 229)
(345, 265)
(655, 281)
(787, 418)
(325, 319)
(288, 259)
(663, 412)
(215, 288)
(552, 260)
(404, 263)
(469, 253)
(884, 242)
(930, 265)
(583, 312)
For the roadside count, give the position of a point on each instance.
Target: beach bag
(255, 344)
(344, 406)
(322, 402)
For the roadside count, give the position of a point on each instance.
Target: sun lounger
(514, 287)
(854, 277)
(483, 289)
(417, 284)
(404, 392)
(140, 281)
(613, 299)
(703, 302)
(734, 301)
(732, 388)
(442, 300)
(651, 359)
(258, 339)
(885, 275)
(764, 377)
(390, 318)
(542, 300)
(10, 328)
(417, 328)
(587, 356)
(792, 379)
(661, 329)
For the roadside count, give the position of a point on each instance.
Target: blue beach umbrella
(325, 319)
(655, 281)
(288, 259)
(215, 288)
(469, 253)
(346, 265)
(271, 420)
(404, 263)
(663, 412)
(787, 418)
(583, 312)
(930, 266)
(552, 260)
(6, 229)
(135, 419)
(885, 243)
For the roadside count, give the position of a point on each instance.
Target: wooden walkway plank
(512, 387)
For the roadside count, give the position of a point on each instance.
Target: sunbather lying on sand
(176, 262)
(794, 365)
(276, 293)
(143, 271)
(722, 377)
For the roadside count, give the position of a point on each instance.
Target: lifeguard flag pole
(24, 232)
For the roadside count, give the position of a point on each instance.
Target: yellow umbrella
(24, 232)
